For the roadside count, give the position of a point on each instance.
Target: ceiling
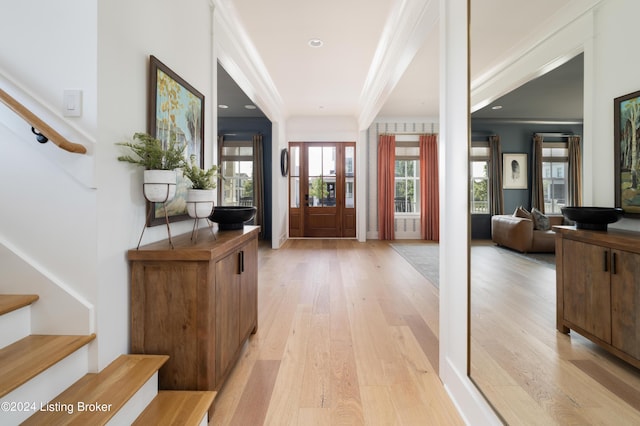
(557, 95)
(382, 56)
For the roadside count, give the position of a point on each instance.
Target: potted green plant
(201, 196)
(160, 164)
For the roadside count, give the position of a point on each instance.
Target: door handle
(606, 261)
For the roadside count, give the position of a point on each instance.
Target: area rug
(424, 257)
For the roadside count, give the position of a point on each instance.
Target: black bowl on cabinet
(594, 218)
(232, 217)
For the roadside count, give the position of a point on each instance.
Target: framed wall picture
(626, 119)
(514, 171)
(176, 110)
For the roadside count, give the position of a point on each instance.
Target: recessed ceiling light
(250, 106)
(496, 107)
(223, 106)
(315, 42)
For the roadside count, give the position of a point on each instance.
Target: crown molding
(404, 33)
(239, 57)
(560, 38)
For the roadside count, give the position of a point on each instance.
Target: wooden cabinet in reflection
(598, 288)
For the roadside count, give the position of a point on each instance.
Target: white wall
(50, 46)
(180, 35)
(280, 188)
(615, 73)
(454, 217)
(322, 129)
(77, 234)
(48, 214)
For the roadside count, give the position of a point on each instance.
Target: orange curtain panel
(386, 186)
(430, 195)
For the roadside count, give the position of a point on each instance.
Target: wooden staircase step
(28, 357)
(176, 408)
(111, 389)
(11, 302)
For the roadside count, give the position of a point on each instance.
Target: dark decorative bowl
(594, 218)
(231, 217)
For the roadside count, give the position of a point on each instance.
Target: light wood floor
(347, 334)
(531, 373)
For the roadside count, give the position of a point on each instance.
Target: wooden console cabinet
(196, 303)
(598, 288)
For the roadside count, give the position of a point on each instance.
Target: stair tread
(11, 302)
(28, 357)
(176, 407)
(111, 388)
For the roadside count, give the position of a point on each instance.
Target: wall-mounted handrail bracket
(39, 136)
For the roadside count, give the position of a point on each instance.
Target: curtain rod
(239, 133)
(410, 133)
(557, 135)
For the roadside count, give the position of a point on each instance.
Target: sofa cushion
(522, 212)
(540, 220)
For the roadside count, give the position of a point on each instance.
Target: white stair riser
(138, 402)
(205, 420)
(46, 386)
(15, 325)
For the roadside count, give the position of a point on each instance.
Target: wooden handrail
(40, 125)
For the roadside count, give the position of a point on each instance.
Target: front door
(322, 189)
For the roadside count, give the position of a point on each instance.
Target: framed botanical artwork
(626, 124)
(176, 110)
(514, 171)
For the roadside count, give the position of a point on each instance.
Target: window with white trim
(479, 165)
(236, 166)
(555, 169)
(407, 176)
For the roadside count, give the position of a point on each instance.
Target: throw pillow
(540, 221)
(522, 212)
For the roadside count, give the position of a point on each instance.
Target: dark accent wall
(244, 129)
(515, 137)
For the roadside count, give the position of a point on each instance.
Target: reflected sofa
(519, 233)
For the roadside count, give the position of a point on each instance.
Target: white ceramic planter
(200, 202)
(159, 185)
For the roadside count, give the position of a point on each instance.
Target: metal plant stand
(196, 220)
(166, 216)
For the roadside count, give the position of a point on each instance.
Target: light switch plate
(72, 103)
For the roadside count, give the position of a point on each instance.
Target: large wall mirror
(528, 371)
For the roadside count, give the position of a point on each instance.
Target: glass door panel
(294, 177)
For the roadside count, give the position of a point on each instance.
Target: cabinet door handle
(606, 261)
(241, 261)
(613, 263)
